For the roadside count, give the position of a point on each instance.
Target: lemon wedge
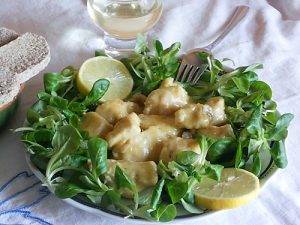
(236, 187)
(102, 67)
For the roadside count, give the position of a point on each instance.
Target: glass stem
(118, 48)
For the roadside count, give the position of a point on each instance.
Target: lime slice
(236, 187)
(101, 67)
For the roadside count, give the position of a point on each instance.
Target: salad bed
(74, 163)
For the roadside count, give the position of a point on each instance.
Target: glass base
(118, 48)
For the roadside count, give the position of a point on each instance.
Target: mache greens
(75, 164)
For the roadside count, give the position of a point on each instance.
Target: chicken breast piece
(95, 125)
(193, 116)
(218, 110)
(129, 143)
(144, 174)
(125, 140)
(117, 109)
(124, 130)
(139, 99)
(175, 145)
(167, 99)
(154, 137)
(133, 149)
(217, 132)
(153, 120)
(196, 116)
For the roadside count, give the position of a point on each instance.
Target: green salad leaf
(99, 89)
(165, 213)
(67, 190)
(122, 180)
(279, 132)
(187, 157)
(177, 190)
(222, 151)
(278, 154)
(156, 195)
(97, 151)
(191, 208)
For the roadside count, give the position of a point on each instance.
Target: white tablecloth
(270, 34)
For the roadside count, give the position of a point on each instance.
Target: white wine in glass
(122, 20)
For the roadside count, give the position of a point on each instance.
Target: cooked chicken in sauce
(129, 142)
(177, 144)
(114, 110)
(167, 99)
(95, 125)
(217, 132)
(193, 116)
(139, 99)
(156, 127)
(152, 120)
(123, 139)
(217, 105)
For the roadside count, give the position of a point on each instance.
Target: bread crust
(9, 87)
(7, 35)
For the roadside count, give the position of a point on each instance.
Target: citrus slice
(236, 187)
(102, 67)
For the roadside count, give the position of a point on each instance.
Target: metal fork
(191, 68)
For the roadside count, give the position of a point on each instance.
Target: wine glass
(123, 20)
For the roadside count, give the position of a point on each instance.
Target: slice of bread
(21, 58)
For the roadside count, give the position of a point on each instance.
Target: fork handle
(238, 15)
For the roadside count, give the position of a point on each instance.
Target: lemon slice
(101, 67)
(236, 187)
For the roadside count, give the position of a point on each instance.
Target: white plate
(268, 170)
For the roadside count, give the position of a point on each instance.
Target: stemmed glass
(123, 20)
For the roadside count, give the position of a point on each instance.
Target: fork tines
(190, 73)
